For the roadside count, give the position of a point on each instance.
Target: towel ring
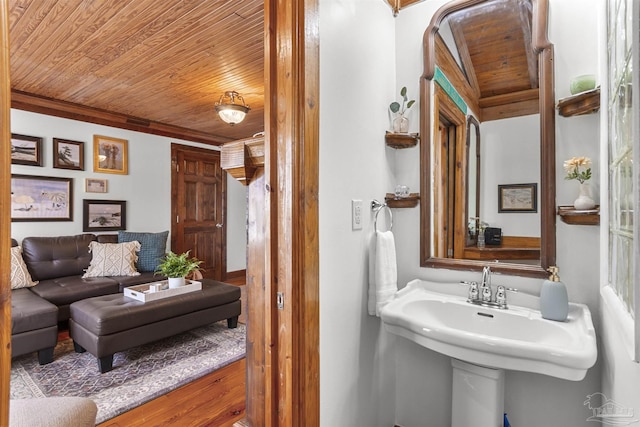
(376, 206)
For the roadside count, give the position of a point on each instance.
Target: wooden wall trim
(5, 218)
(291, 175)
(52, 107)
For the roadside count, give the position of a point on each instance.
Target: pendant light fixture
(231, 107)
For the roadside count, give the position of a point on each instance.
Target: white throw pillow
(113, 259)
(20, 277)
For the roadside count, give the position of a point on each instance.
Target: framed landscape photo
(518, 198)
(68, 154)
(26, 150)
(110, 154)
(41, 198)
(104, 215)
(95, 185)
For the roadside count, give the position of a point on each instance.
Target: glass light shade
(230, 111)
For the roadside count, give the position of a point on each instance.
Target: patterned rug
(139, 375)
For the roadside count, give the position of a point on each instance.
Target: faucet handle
(501, 296)
(473, 290)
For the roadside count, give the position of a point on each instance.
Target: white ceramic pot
(584, 200)
(176, 282)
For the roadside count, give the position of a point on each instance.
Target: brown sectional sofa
(58, 263)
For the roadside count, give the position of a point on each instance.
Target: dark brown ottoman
(107, 324)
(34, 325)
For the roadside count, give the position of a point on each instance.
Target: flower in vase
(578, 168)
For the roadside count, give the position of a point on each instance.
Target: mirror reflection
(489, 166)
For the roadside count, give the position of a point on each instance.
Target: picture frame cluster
(48, 198)
(110, 155)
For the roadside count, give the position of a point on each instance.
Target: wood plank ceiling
(493, 40)
(158, 63)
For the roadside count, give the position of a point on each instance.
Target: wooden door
(198, 189)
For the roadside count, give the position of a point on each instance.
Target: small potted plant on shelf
(176, 267)
(400, 122)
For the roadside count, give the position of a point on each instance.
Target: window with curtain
(623, 112)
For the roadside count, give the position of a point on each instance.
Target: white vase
(584, 200)
(401, 124)
(176, 282)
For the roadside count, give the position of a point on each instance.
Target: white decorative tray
(143, 293)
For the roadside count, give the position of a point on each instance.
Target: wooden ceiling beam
(68, 110)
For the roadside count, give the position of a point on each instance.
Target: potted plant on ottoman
(177, 267)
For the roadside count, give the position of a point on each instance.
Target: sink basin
(437, 316)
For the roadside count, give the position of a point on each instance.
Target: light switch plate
(356, 214)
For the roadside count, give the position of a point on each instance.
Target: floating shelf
(570, 215)
(401, 140)
(411, 201)
(582, 103)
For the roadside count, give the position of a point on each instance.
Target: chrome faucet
(482, 294)
(485, 285)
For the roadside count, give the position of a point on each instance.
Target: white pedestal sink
(487, 341)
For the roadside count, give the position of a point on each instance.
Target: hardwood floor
(217, 399)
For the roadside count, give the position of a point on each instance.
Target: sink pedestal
(477, 395)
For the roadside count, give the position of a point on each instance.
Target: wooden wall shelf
(402, 202)
(580, 104)
(511, 248)
(401, 140)
(569, 215)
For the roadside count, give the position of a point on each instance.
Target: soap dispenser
(554, 302)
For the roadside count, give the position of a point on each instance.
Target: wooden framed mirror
(491, 60)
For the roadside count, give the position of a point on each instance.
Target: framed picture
(104, 215)
(41, 198)
(95, 185)
(68, 154)
(26, 150)
(110, 154)
(518, 198)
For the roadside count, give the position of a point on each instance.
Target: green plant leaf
(411, 103)
(403, 92)
(174, 265)
(394, 107)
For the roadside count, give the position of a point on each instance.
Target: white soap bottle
(554, 301)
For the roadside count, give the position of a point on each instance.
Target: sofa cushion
(112, 259)
(66, 290)
(20, 277)
(152, 247)
(51, 257)
(29, 312)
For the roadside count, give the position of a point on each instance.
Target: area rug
(138, 376)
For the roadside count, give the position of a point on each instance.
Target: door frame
(291, 225)
(5, 219)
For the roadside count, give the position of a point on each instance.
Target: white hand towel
(383, 271)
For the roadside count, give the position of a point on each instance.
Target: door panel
(198, 188)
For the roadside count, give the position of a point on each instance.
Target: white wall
(146, 188)
(502, 141)
(357, 78)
